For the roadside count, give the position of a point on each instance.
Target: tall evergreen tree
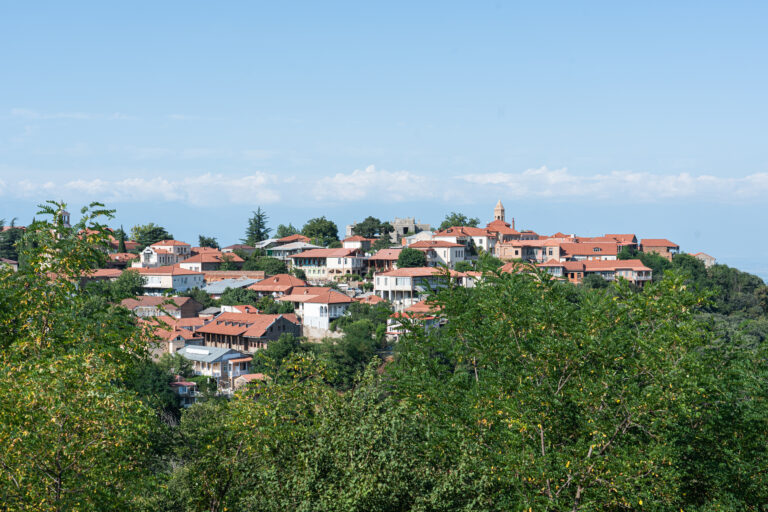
(257, 229)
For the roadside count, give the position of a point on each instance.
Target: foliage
(594, 281)
(463, 266)
(321, 230)
(129, 284)
(120, 236)
(239, 296)
(487, 262)
(200, 296)
(297, 272)
(227, 263)
(269, 265)
(284, 231)
(9, 240)
(372, 227)
(411, 258)
(207, 241)
(381, 243)
(458, 219)
(148, 234)
(257, 229)
(71, 437)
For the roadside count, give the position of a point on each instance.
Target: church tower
(498, 212)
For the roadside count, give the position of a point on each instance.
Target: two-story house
(163, 253)
(247, 332)
(317, 307)
(160, 280)
(329, 264)
(440, 252)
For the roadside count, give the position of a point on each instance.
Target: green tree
(257, 229)
(284, 231)
(594, 281)
(411, 258)
(9, 240)
(239, 296)
(381, 243)
(372, 227)
(71, 436)
(458, 219)
(120, 237)
(463, 266)
(148, 234)
(269, 265)
(207, 241)
(228, 264)
(200, 296)
(321, 230)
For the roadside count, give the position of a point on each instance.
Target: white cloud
(374, 184)
(201, 189)
(621, 185)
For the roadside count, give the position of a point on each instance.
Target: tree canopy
(207, 241)
(458, 219)
(284, 231)
(148, 234)
(257, 229)
(321, 230)
(372, 227)
(411, 258)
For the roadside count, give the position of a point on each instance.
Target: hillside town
(311, 282)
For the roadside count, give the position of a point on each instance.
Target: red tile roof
(464, 231)
(658, 242)
(588, 249)
(358, 238)
(386, 255)
(211, 276)
(251, 325)
(278, 283)
(417, 272)
(429, 244)
(294, 238)
(369, 299)
(326, 253)
(168, 243)
(213, 256)
(316, 294)
(172, 270)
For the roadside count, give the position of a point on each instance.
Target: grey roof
(207, 354)
(265, 243)
(210, 311)
(295, 246)
(218, 287)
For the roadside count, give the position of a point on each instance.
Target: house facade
(440, 252)
(317, 307)
(329, 264)
(247, 332)
(660, 246)
(163, 253)
(159, 280)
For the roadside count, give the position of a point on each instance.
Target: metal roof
(218, 287)
(207, 354)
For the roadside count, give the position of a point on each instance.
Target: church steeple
(498, 212)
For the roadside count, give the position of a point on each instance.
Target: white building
(481, 237)
(440, 252)
(162, 253)
(328, 264)
(317, 307)
(404, 287)
(159, 280)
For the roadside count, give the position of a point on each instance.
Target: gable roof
(316, 295)
(213, 256)
(206, 354)
(464, 231)
(249, 325)
(387, 254)
(429, 244)
(168, 303)
(219, 287)
(326, 253)
(171, 270)
(277, 283)
(657, 242)
(293, 238)
(168, 243)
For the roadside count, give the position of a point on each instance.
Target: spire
(498, 212)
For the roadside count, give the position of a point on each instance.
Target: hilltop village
(300, 285)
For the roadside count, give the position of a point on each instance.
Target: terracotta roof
(326, 253)
(214, 256)
(420, 310)
(123, 256)
(168, 242)
(588, 249)
(596, 265)
(104, 273)
(657, 242)
(464, 231)
(429, 244)
(248, 377)
(703, 254)
(386, 255)
(251, 325)
(624, 238)
(239, 246)
(369, 299)
(277, 283)
(316, 295)
(241, 360)
(416, 272)
(211, 276)
(294, 238)
(358, 238)
(168, 269)
(169, 303)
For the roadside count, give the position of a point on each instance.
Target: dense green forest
(535, 395)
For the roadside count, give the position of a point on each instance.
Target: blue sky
(585, 117)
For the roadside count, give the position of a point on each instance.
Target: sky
(582, 117)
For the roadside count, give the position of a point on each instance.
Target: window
(596, 249)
